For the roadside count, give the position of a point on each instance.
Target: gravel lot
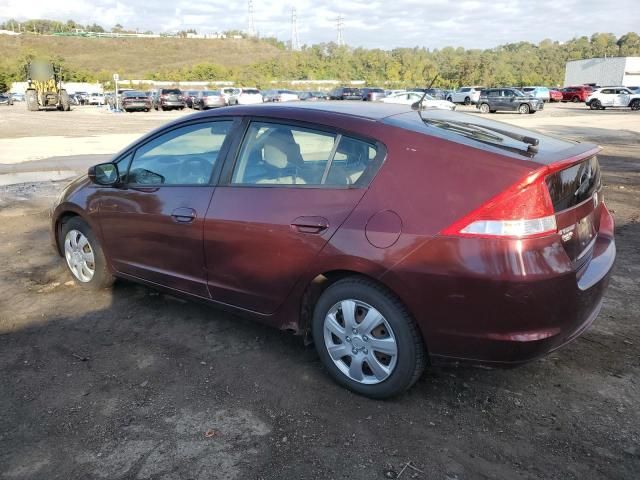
(132, 384)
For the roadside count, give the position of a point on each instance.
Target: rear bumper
(504, 302)
(179, 103)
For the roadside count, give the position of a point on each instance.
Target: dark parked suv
(394, 238)
(494, 99)
(345, 93)
(168, 98)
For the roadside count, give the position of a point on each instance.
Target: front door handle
(310, 224)
(184, 215)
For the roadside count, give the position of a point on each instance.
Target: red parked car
(576, 94)
(395, 238)
(555, 95)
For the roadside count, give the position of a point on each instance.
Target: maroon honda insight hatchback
(394, 238)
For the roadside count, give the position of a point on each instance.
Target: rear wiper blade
(483, 133)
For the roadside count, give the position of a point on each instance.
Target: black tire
(524, 108)
(484, 108)
(493, 111)
(595, 105)
(467, 101)
(411, 356)
(635, 105)
(31, 96)
(449, 99)
(102, 278)
(65, 103)
(575, 99)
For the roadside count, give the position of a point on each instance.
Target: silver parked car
(209, 99)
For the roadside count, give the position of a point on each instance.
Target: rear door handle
(310, 224)
(184, 215)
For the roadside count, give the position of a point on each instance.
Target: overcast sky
(368, 23)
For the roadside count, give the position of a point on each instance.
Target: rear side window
(276, 154)
(184, 156)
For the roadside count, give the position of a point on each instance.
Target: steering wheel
(195, 170)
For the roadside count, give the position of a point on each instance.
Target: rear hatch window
(574, 185)
(576, 200)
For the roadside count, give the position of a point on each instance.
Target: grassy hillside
(136, 57)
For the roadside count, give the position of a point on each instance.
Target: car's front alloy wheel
(79, 255)
(484, 108)
(84, 255)
(367, 339)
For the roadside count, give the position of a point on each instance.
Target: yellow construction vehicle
(45, 87)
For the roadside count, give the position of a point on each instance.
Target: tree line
(521, 63)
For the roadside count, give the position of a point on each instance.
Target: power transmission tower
(340, 25)
(252, 26)
(295, 41)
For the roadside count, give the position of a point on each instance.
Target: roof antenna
(418, 105)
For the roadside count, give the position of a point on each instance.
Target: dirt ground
(132, 384)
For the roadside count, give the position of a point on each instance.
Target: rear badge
(567, 233)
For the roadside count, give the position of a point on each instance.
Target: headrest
(280, 149)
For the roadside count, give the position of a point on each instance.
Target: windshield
(466, 89)
(519, 92)
(171, 91)
(134, 94)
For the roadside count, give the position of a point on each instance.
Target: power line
(252, 26)
(295, 41)
(340, 26)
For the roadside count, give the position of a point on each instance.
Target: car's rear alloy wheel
(484, 108)
(595, 105)
(83, 255)
(467, 101)
(367, 339)
(524, 108)
(360, 341)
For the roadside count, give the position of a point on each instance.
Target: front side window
(184, 156)
(275, 154)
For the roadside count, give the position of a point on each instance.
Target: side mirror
(104, 174)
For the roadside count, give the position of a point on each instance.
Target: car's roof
(368, 110)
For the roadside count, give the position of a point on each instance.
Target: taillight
(524, 210)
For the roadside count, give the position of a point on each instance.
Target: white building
(611, 71)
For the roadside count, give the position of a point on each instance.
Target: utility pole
(295, 41)
(252, 25)
(339, 26)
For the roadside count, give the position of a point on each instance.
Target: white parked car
(96, 99)
(608, 97)
(409, 98)
(466, 95)
(245, 96)
(227, 92)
